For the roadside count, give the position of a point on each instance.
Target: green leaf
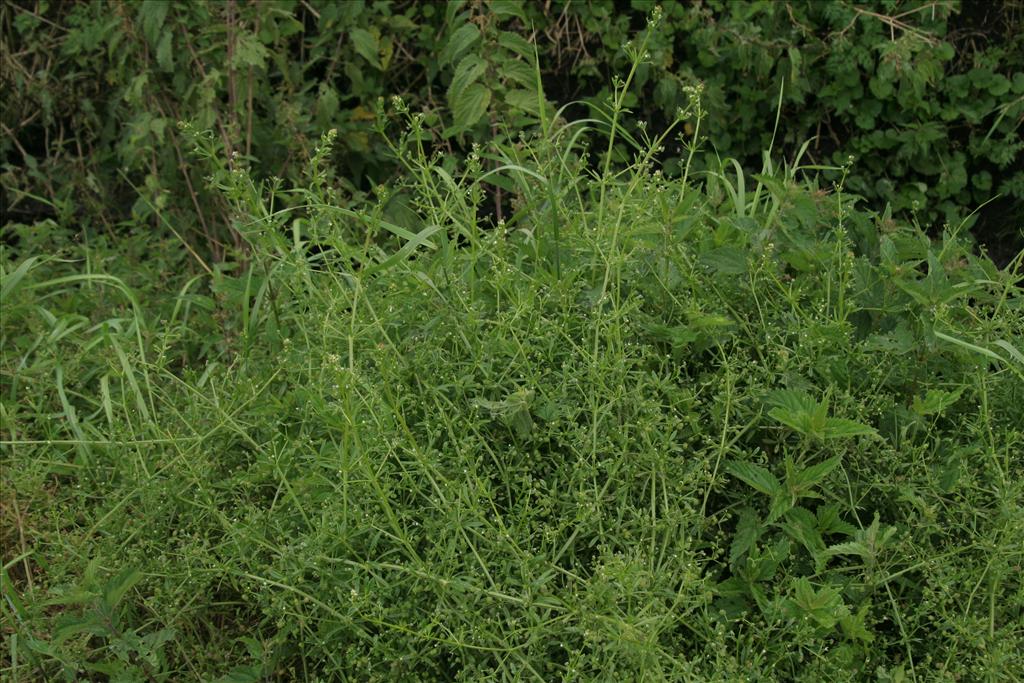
(808, 477)
(840, 428)
(9, 281)
(802, 526)
(153, 13)
(459, 42)
(165, 51)
(935, 401)
(517, 44)
(367, 45)
(748, 528)
(972, 347)
(755, 476)
(849, 548)
(119, 585)
(470, 106)
(521, 98)
(72, 626)
(466, 73)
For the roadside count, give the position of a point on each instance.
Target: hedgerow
(927, 97)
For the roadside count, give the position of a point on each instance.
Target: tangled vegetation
(581, 403)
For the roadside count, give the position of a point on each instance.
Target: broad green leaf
(855, 627)
(119, 585)
(801, 525)
(153, 13)
(367, 45)
(797, 421)
(459, 42)
(840, 428)
(792, 400)
(466, 73)
(165, 51)
(935, 401)
(748, 528)
(470, 106)
(520, 98)
(849, 548)
(754, 476)
(516, 43)
(72, 626)
(521, 74)
(808, 477)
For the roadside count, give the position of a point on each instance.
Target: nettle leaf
(466, 74)
(824, 606)
(367, 45)
(849, 548)
(755, 476)
(516, 43)
(748, 529)
(801, 413)
(802, 526)
(470, 106)
(119, 585)
(840, 428)
(153, 13)
(522, 74)
(811, 476)
(855, 625)
(165, 51)
(459, 42)
(936, 401)
(523, 99)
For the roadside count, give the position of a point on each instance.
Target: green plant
(640, 429)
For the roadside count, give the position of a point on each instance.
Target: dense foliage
(928, 97)
(420, 398)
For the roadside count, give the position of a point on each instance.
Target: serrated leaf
(242, 674)
(165, 51)
(840, 428)
(520, 98)
(781, 503)
(748, 528)
(72, 626)
(798, 421)
(516, 43)
(808, 477)
(801, 525)
(726, 260)
(754, 476)
(153, 13)
(367, 45)
(854, 626)
(119, 585)
(935, 401)
(466, 73)
(470, 106)
(849, 548)
(459, 42)
(521, 74)
(830, 523)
